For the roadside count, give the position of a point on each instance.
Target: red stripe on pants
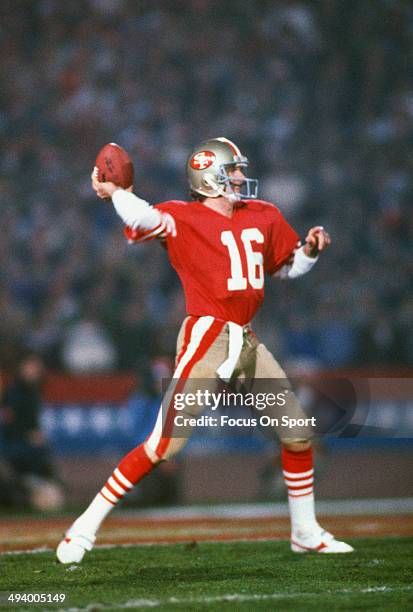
(187, 336)
(207, 341)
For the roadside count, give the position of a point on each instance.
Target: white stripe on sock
(122, 479)
(299, 483)
(298, 474)
(300, 492)
(117, 487)
(109, 495)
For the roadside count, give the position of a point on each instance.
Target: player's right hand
(105, 190)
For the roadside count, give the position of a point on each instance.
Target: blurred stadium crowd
(319, 96)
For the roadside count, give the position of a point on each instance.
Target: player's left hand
(317, 240)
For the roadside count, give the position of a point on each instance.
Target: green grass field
(216, 576)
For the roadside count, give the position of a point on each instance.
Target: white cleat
(318, 542)
(73, 548)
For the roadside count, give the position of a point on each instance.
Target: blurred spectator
(382, 341)
(87, 348)
(25, 448)
(136, 336)
(318, 94)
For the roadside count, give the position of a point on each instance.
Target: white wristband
(302, 263)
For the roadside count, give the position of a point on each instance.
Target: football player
(222, 244)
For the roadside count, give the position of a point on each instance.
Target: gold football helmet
(207, 173)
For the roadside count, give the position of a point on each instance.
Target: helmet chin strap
(232, 196)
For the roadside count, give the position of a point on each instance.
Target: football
(114, 166)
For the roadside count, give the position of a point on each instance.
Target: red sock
(298, 471)
(129, 472)
(136, 465)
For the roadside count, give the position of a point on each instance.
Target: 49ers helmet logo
(202, 160)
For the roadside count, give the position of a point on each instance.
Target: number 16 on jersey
(255, 271)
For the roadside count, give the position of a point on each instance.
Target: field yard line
(30, 551)
(230, 597)
(368, 507)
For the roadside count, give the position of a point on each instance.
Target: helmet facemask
(249, 186)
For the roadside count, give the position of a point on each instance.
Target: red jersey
(221, 261)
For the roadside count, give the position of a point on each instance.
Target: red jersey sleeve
(141, 235)
(283, 241)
